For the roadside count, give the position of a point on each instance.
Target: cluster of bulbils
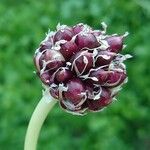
(82, 67)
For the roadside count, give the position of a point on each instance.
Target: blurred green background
(125, 125)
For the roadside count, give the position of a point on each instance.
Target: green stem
(39, 115)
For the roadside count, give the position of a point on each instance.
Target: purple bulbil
(82, 68)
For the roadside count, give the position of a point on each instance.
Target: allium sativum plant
(82, 67)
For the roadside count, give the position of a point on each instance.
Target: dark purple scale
(82, 62)
(53, 59)
(104, 58)
(63, 75)
(68, 49)
(75, 92)
(64, 34)
(103, 101)
(87, 40)
(115, 43)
